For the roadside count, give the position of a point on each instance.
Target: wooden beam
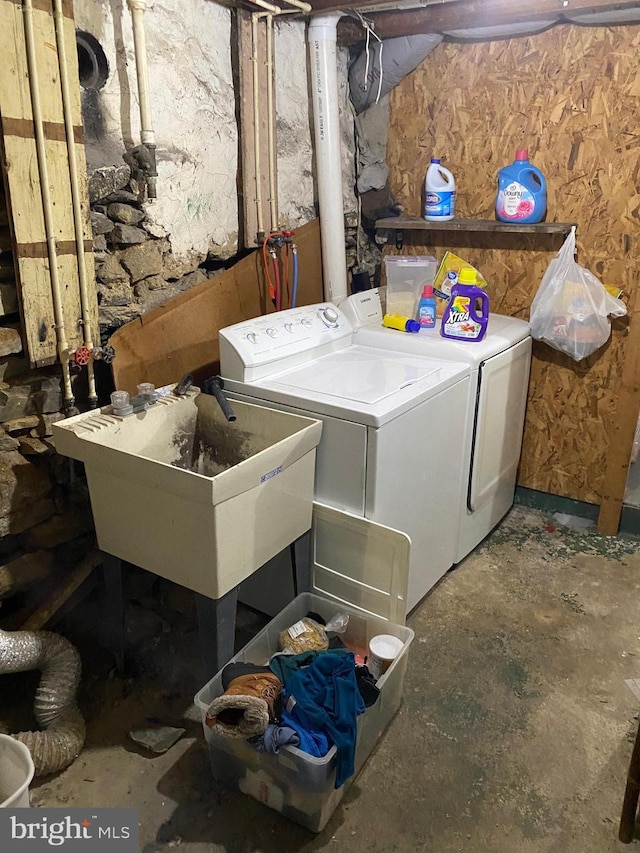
(64, 584)
(23, 210)
(459, 14)
(622, 433)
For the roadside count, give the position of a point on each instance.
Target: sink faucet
(183, 386)
(214, 386)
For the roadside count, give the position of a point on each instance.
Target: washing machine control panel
(272, 343)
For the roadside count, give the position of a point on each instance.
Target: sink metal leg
(112, 572)
(301, 559)
(216, 629)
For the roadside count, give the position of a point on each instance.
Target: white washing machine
(382, 454)
(494, 410)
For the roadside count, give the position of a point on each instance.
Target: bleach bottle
(460, 320)
(522, 191)
(439, 193)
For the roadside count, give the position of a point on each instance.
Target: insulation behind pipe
(55, 706)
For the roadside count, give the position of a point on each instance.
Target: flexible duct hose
(55, 704)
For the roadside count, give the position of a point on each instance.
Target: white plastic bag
(571, 309)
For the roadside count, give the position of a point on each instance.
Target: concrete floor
(515, 731)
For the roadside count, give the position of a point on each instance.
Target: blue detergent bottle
(427, 308)
(522, 192)
(461, 320)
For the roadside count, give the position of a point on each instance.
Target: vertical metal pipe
(255, 17)
(273, 191)
(75, 197)
(61, 336)
(147, 136)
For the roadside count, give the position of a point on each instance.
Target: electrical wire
(358, 228)
(294, 287)
(278, 285)
(276, 275)
(285, 284)
(368, 26)
(270, 285)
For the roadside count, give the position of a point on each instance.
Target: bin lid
(360, 563)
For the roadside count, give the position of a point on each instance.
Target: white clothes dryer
(382, 412)
(494, 411)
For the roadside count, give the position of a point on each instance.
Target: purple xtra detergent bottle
(460, 320)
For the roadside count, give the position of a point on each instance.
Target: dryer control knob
(273, 333)
(252, 338)
(329, 315)
(306, 322)
(288, 327)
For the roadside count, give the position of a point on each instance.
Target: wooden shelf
(416, 223)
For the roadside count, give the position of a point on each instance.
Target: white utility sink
(178, 490)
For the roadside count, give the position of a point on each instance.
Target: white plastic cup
(383, 650)
(16, 773)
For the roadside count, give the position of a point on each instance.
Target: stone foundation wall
(45, 515)
(136, 269)
(45, 518)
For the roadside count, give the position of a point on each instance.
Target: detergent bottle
(522, 191)
(402, 324)
(460, 319)
(439, 193)
(427, 308)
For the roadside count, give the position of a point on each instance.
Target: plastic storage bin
(298, 785)
(406, 277)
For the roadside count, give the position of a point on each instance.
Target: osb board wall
(182, 336)
(572, 96)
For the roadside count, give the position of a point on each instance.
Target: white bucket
(16, 773)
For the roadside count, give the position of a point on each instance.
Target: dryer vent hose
(55, 708)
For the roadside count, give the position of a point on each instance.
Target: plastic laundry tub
(179, 491)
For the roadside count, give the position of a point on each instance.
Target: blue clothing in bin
(324, 697)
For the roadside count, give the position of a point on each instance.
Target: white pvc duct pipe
(322, 38)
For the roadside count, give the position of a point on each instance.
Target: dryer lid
(502, 334)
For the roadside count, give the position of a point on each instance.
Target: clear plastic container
(406, 277)
(294, 783)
